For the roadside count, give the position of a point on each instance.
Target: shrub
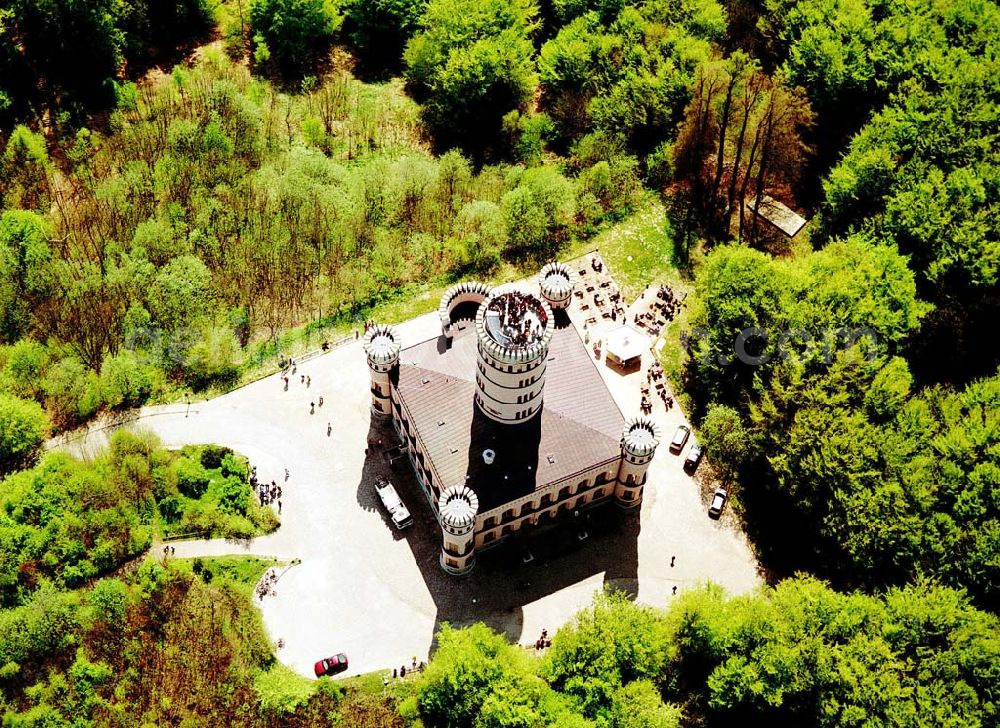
(23, 427)
(26, 362)
(71, 391)
(291, 34)
(212, 358)
(232, 466)
(234, 496)
(212, 456)
(125, 382)
(192, 480)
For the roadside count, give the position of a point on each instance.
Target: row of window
(548, 499)
(510, 368)
(517, 415)
(454, 550)
(481, 384)
(522, 398)
(521, 383)
(507, 529)
(423, 472)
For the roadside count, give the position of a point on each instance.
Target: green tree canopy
(755, 312)
(292, 34)
(920, 175)
(23, 428)
(887, 485)
(25, 260)
(625, 71)
(181, 292)
(380, 29)
(478, 679)
(726, 437)
(802, 653)
(471, 64)
(611, 653)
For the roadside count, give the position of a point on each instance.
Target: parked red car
(331, 665)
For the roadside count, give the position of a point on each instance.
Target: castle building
(505, 417)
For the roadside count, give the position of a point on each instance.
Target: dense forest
(186, 187)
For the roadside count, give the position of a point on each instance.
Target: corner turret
(381, 346)
(639, 440)
(458, 507)
(556, 281)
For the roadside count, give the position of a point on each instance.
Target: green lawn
(639, 250)
(404, 304)
(244, 570)
(283, 689)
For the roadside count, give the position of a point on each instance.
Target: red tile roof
(579, 426)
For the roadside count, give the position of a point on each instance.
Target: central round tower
(513, 331)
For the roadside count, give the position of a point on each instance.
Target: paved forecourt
(373, 592)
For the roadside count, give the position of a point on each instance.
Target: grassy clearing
(282, 689)
(406, 303)
(639, 250)
(242, 570)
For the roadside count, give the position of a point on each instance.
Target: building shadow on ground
(501, 584)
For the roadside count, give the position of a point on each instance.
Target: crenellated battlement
(556, 282)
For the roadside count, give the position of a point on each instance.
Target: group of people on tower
(515, 325)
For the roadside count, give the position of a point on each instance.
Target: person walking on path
(312, 408)
(329, 429)
(309, 381)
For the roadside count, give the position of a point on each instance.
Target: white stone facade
(639, 441)
(457, 509)
(381, 347)
(511, 377)
(465, 292)
(556, 281)
(513, 336)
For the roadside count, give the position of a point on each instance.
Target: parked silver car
(680, 437)
(718, 503)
